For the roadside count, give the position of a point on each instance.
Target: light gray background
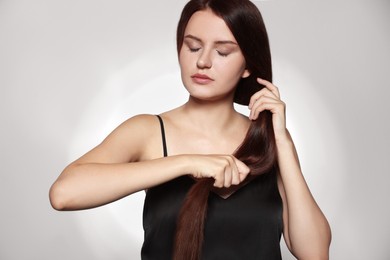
(70, 71)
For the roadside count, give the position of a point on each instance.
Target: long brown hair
(258, 149)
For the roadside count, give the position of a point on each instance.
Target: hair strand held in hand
(258, 150)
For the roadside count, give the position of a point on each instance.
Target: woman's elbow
(315, 249)
(316, 255)
(57, 197)
(312, 252)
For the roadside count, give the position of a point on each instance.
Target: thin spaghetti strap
(163, 136)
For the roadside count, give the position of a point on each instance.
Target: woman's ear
(246, 73)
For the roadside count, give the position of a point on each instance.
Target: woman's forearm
(308, 230)
(88, 185)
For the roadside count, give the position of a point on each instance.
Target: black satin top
(247, 225)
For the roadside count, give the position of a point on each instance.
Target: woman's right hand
(225, 169)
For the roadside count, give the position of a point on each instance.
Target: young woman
(219, 185)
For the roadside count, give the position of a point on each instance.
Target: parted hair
(258, 150)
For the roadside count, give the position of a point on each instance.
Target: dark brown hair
(258, 149)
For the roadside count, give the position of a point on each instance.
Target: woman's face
(210, 59)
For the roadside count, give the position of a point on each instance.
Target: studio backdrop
(71, 71)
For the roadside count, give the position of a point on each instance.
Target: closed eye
(223, 54)
(194, 49)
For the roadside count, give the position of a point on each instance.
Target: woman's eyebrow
(216, 42)
(193, 37)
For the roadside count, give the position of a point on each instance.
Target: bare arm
(88, 185)
(113, 169)
(306, 230)
(127, 162)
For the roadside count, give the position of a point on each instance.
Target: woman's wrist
(283, 138)
(183, 162)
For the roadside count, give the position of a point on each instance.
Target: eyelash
(223, 54)
(219, 53)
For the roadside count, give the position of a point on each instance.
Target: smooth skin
(201, 137)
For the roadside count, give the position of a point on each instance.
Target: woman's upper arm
(124, 144)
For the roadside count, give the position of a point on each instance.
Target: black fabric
(247, 225)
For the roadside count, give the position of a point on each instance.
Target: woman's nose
(204, 60)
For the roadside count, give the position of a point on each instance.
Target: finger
(263, 92)
(273, 107)
(229, 172)
(270, 98)
(270, 86)
(235, 180)
(243, 170)
(259, 104)
(236, 176)
(220, 178)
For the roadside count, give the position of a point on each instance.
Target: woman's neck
(210, 115)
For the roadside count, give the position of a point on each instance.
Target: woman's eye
(223, 54)
(194, 49)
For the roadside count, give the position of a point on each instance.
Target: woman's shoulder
(148, 122)
(140, 120)
(135, 127)
(133, 140)
(137, 138)
(142, 125)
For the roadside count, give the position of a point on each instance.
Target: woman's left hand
(269, 99)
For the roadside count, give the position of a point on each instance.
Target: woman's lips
(201, 79)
